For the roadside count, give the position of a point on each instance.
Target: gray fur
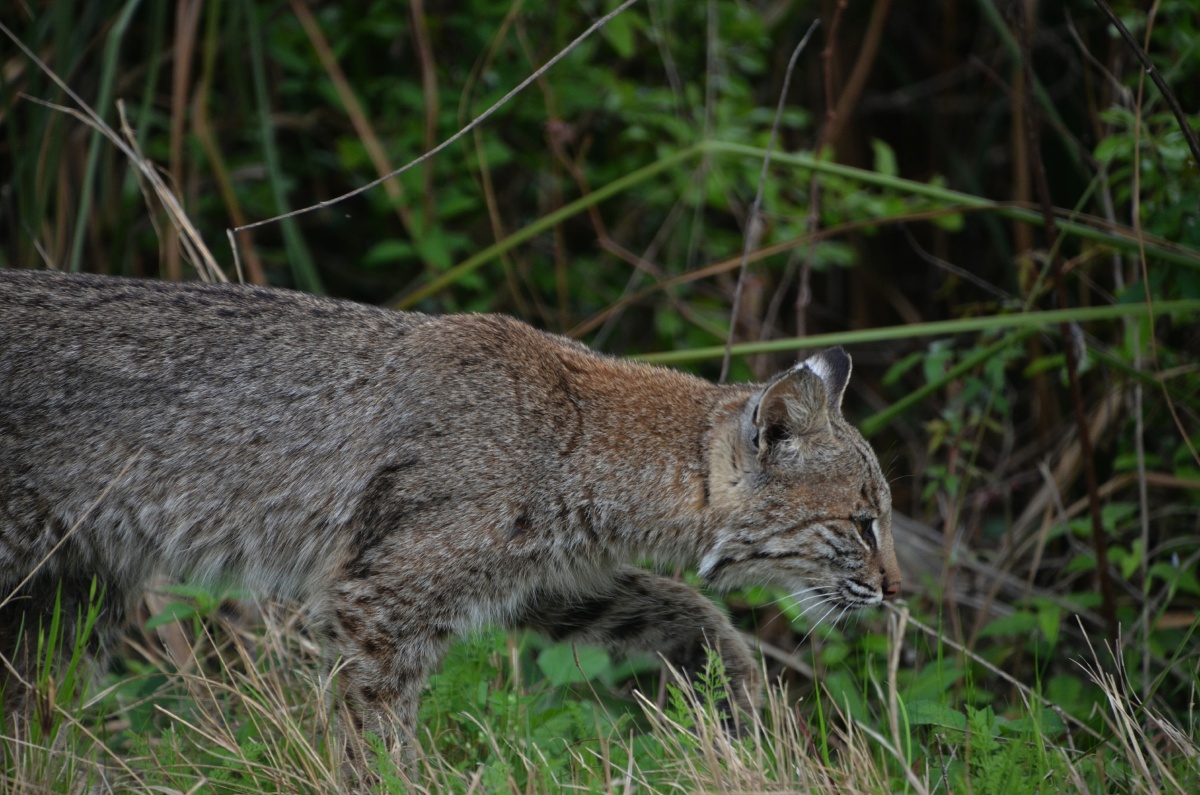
(412, 477)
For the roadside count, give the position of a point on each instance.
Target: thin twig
(187, 23)
(203, 129)
(1148, 65)
(868, 48)
(754, 224)
(813, 218)
(478, 120)
(430, 91)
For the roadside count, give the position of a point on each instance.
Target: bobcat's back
(235, 430)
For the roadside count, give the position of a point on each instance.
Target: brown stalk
(868, 48)
(202, 127)
(358, 118)
(556, 132)
(558, 135)
(429, 89)
(1163, 89)
(837, 116)
(1099, 539)
(516, 269)
(492, 204)
(804, 291)
(187, 21)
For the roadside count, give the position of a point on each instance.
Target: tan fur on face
(801, 482)
(413, 477)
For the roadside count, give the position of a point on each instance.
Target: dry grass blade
(194, 245)
(1127, 721)
(778, 757)
(358, 118)
(198, 254)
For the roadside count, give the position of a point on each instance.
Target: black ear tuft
(833, 366)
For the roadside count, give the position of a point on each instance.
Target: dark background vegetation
(253, 108)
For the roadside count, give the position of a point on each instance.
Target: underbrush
(233, 697)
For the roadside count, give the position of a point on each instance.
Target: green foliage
(610, 200)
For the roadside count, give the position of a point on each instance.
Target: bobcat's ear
(792, 405)
(833, 366)
(797, 402)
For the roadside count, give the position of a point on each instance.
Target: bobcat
(412, 477)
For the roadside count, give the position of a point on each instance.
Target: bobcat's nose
(891, 588)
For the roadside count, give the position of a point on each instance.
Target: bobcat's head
(807, 507)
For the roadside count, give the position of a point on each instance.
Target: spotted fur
(413, 477)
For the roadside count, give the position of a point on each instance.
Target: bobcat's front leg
(389, 648)
(640, 611)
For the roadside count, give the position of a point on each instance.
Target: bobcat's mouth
(853, 593)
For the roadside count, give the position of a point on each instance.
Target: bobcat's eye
(866, 529)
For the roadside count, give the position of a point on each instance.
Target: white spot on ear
(817, 365)
(833, 367)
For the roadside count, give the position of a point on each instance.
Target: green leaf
(1113, 147)
(885, 158)
(619, 33)
(175, 611)
(1043, 364)
(1116, 514)
(1049, 617)
(1083, 562)
(1176, 576)
(1018, 623)
(564, 663)
(933, 713)
(389, 251)
(951, 222)
(901, 367)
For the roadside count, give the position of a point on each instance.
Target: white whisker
(806, 594)
(810, 597)
(839, 615)
(816, 624)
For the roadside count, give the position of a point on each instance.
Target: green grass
(244, 705)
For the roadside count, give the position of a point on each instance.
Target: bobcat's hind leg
(638, 611)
